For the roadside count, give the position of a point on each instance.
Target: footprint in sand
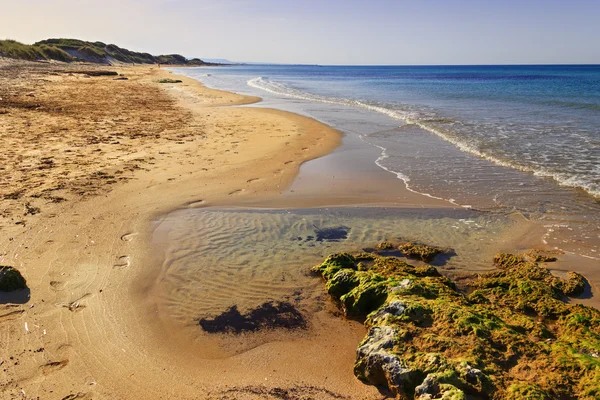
(288, 162)
(11, 315)
(76, 305)
(57, 285)
(123, 262)
(74, 396)
(238, 191)
(128, 237)
(53, 366)
(195, 204)
(252, 180)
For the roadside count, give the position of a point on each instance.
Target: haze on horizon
(350, 32)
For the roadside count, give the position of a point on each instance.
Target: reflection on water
(215, 259)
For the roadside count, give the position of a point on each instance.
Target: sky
(350, 32)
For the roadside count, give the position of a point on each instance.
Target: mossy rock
(334, 263)
(384, 246)
(574, 285)
(420, 251)
(506, 260)
(526, 391)
(11, 279)
(511, 323)
(342, 282)
(364, 298)
(167, 80)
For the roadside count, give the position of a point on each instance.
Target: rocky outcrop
(507, 334)
(377, 364)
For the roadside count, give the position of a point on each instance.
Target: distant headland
(75, 50)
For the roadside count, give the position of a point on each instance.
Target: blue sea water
(523, 138)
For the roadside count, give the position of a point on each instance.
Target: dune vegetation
(72, 50)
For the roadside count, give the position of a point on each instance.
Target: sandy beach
(91, 165)
(92, 162)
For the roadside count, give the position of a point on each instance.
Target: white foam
(564, 179)
(403, 177)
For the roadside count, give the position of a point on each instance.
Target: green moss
(333, 264)
(384, 246)
(419, 251)
(526, 391)
(574, 285)
(505, 260)
(11, 279)
(367, 296)
(449, 392)
(342, 282)
(169, 80)
(511, 337)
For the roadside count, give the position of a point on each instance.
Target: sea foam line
(405, 178)
(409, 118)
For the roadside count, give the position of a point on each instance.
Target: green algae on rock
(420, 251)
(508, 335)
(384, 246)
(11, 279)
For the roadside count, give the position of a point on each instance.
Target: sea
(499, 139)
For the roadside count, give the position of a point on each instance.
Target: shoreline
(86, 260)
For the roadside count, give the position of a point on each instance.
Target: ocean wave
(426, 121)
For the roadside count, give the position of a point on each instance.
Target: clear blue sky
(324, 31)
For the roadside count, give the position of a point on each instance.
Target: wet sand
(95, 166)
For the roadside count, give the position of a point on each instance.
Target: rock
(404, 284)
(473, 373)
(385, 246)
(365, 298)
(395, 308)
(506, 260)
(342, 282)
(431, 388)
(428, 389)
(376, 364)
(420, 251)
(420, 325)
(11, 279)
(574, 285)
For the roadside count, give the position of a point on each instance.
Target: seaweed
(11, 279)
(333, 234)
(420, 251)
(269, 315)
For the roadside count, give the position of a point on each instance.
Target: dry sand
(89, 165)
